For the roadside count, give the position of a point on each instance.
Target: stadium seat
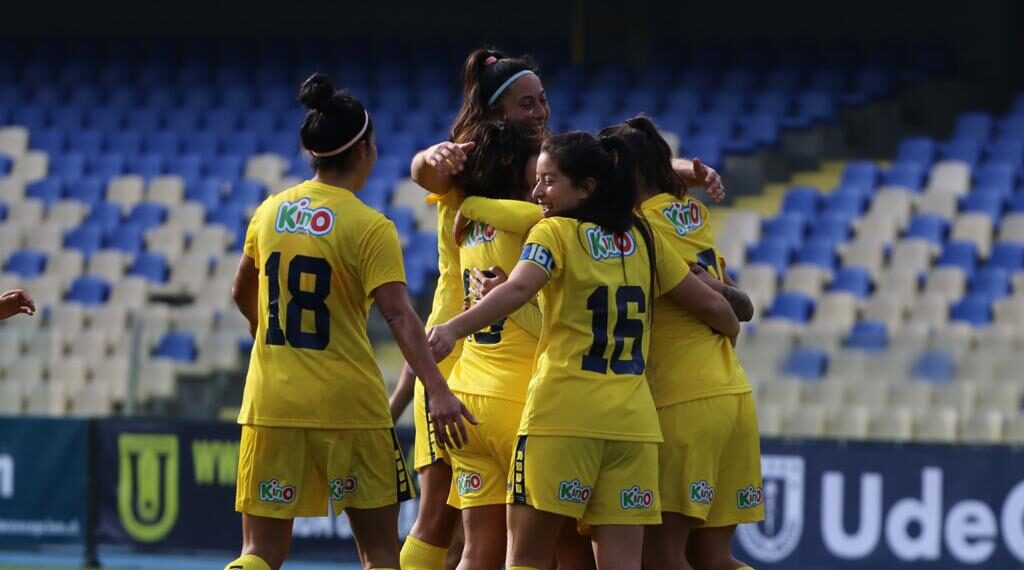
(962, 254)
(1008, 256)
(794, 307)
(126, 238)
(928, 227)
(855, 280)
(975, 310)
(865, 253)
(983, 427)
(949, 281)
(788, 228)
(975, 125)
(806, 363)
(26, 264)
(937, 426)
(991, 282)
(147, 215)
(151, 266)
(965, 150)
(868, 335)
(770, 251)
(177, 346)
(921, 150)
(817, 252)
(803, 201)
(953, 176)
(89, 290)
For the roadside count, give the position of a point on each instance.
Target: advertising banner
(171, 486)
(42, 481)
(858, 505)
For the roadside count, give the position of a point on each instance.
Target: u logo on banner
(147, 489)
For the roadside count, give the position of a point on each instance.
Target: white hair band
(346, 146)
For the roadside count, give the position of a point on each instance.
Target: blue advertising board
(42, 481)
(867, 505)
(171, 486)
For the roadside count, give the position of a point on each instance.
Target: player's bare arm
(697, 297)
(740, 301)
(435, 168)
(245, 291)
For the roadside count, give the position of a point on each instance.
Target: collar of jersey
(322, 186)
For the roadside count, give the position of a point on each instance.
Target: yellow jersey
(321, 254)
(688, 360)
(591, 359)
(448, 292)
(498, 360)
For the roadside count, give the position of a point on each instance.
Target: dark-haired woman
(587, 447)
(495, 87)
(315, 420)
(710, 463)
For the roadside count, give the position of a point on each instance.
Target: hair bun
(316, 92)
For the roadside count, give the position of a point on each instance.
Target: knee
(273, 555)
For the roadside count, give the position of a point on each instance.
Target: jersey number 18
(301, 301)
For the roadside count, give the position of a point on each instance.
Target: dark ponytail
(334, 120)
(609, 162)
(652, 154)
(484, 72)
(496, 167)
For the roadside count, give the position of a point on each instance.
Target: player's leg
(618, 547)
(376, 534)
(711, 549)
(265, 543)
(485, 537)
(665, 544)
(533, 536)
(574, 550)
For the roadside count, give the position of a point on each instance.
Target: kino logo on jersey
(609, 244)
(574, 492)
(684, 217)
(341, 487)
(274, 492)
(468, 483)
(636, 498)
(298, 218)
(479, 233)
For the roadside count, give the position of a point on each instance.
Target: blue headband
(505, 85)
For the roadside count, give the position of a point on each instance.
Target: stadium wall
(169, 486)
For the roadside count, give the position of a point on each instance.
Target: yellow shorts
(710, 463)
(480, 468)
(427, 451)
(596, 481)
(285, 473)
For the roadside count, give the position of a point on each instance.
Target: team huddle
(587, 408)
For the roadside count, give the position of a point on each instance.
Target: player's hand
(449, 416)
(441, 342)
(702, 274)
(480, 284)
(16, 302)
(710, 179)
(449, 158)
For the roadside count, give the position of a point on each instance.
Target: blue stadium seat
(183, 121)
(817, 105)
(106, 166)
(1017, 202)
(147, 215)
(818, 252)
(930, 227)
(774, 252)
(127, 143)
(89, 142)
(127, 238)
(259, 121)
(868, 335)
(188, 166)
(247, 193)
(243, 143)
(1008, 256)
(32, 117)
(792, 306)
(934, 366)
(684, 102)
(69, 119)
(964, 149)
(773, 102)
(786, 227)
(708, 148)
(847, 205)
(908, 173)
(53, 141)
(973, 309)
(206, 191)
(87, 238)
(6, 163)
(109, 119)
(702, 78)
(203, 143)
(404, 220)
(26, 263)
(855, 280)
(804, 201)
(989, 203)
(148, 165)
(726, 101)
(47, 190)
(996, 173)
(975, 125)
(832, 228)
(238, 98)
(721, 125)
(228, 166)
(123, 96)
(89, 290)
(285, 144)
(808, 364)
(179, 346)
(144, 120)
(962, 254)
(221, 120)
(861, 173)
(921, 150)
(1012, 126)
(151, 266)
(166, 143)
(196, 97)
(991, 282)
(762, 128)
(1008, 150)
(106, 216)
(89, 190)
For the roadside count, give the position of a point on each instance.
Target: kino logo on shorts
(574, 492)
(702, 492)
(468, 483)
(147, 486)
(274, 492)
(342, 487)
(783, 496)
(635, 498)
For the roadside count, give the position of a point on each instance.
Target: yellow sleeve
(506, 215)
(380, 256)
(250, 248)
(543, 248)
(529, 318)
(670, 265)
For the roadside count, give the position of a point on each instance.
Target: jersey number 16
(625, 328)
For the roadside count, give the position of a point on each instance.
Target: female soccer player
(494, 370)
(587, 449)
(710, 463)
(315, 418)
